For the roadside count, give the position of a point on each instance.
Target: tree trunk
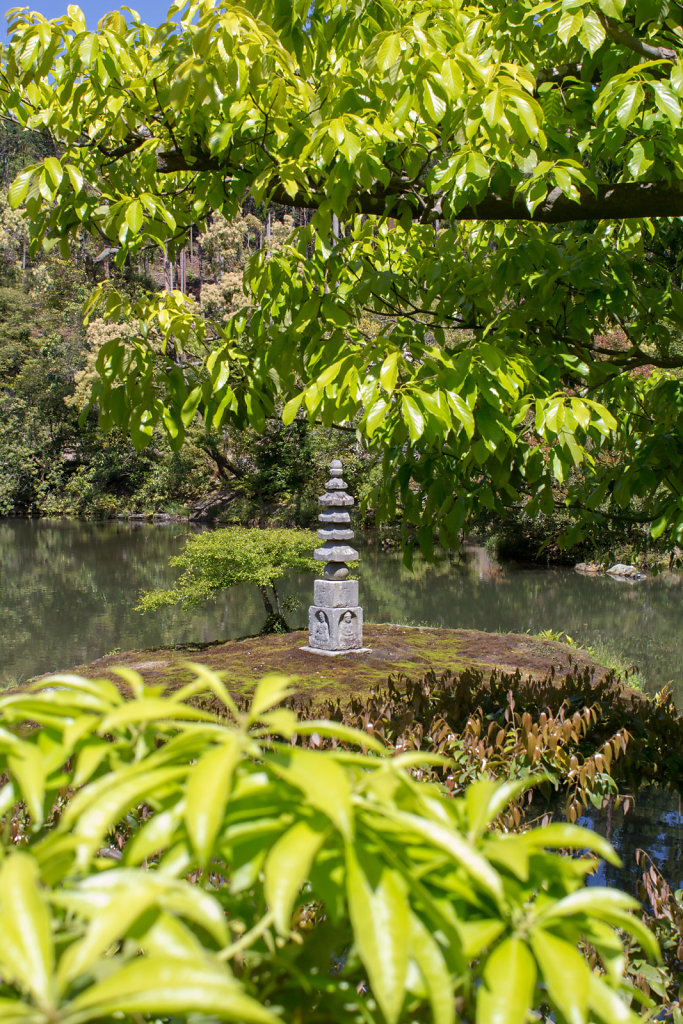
(277, 600)
(168, 274)
(266, 601)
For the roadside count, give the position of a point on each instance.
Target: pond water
(654, 823)
(68, 590)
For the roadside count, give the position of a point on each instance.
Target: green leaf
(433, 102)
(569, 25)
(604, 1001)
(389, 51)
(157, 834)
(324, 784)
(345, 733)
(333, 312)
(478, 935)
(455, 845)
(462, 412)
(593, 901)
(286, 869)
(486, 799)
(134, 216)
(376, 415)
(180, 90)
(54, 170)
(388, 373)
(149, 709)
(207, 790)
(271, 690)
(612, 8)
(162, 986)
(98, 807)
(630, 102)
(88, 48)
(562, 835)
(19, 188)
(289, 182)
(492, 107)
(509, 980)
(413, 417)
(667, 102)
(190, 405)
(291, 408)
(434, 970)
(380, 919)
(27, 765)
(592, 33)
(638, 161)
(659, 526)
(75, 177)
(565, 973)
(110, 923)
(27, 952)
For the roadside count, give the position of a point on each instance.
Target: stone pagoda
(335, 620)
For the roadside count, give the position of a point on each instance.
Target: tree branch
(619, 34)
(609, 202)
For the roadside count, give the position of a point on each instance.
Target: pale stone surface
(335, 594)
(335, 629)
(329, 516)
(628, 572)
(334, 533)
(336, 571)
(331, 552)
(339, 498)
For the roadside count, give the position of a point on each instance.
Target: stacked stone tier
(335, 498)
(331, 552)
(335, 533)
(334, 517)
(335, 530)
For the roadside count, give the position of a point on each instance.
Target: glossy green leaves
(239, 847)
(509, 362)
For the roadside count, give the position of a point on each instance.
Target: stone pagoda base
(335, 621)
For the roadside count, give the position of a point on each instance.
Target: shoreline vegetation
(511, 541)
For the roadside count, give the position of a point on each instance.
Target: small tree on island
(219, 559)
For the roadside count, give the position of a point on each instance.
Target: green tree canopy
(214, 561)
(489, 285)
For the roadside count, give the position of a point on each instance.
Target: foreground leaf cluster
(161, 861)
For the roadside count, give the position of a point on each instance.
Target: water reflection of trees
(68, 591)
(654, 824)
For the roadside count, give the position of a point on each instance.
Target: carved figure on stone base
(321, 628)
(348, 630)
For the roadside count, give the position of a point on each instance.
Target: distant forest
(53, 458)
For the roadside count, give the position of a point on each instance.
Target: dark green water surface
(68, 590)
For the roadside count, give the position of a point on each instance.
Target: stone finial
(335, 620)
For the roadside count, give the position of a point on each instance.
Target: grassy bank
(407, 650)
